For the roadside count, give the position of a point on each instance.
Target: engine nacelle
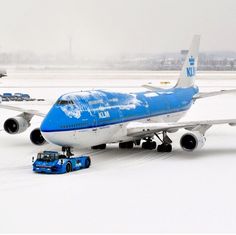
(192, 141)
(37, 138)
(16, 125)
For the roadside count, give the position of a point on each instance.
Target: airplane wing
(138, 129)
(28, 111)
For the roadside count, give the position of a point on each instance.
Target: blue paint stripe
(119, 122)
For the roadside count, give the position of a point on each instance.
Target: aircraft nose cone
(52, 122)
(47, 125)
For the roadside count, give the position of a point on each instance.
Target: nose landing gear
(67, 151)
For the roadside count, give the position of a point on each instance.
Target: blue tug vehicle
(52, 162)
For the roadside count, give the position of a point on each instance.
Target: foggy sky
(106, 27)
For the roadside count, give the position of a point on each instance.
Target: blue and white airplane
(96, 118)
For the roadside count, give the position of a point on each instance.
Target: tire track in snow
(129, 158)
(118, 158)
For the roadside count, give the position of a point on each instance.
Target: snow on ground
(124, 190)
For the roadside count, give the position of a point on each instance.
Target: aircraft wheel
(144, 145)
(137, 142)
(164, 148)
(101, 146)
(126, 145)
(153, 145)
(122, 145)
(130, 145)
(149, 145)
(169, 148)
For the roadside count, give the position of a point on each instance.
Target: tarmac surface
(124, 190)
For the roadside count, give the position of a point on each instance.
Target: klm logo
(104, 114)
(191, 61)
(191, 71)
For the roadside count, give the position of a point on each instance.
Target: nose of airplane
(51, 124)
(53, 120)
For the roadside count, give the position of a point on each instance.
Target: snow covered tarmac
(124, 190)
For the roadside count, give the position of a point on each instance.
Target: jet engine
(192, 141)
(37, 138)
(16, 125)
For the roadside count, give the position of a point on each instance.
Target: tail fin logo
(191, 71)
(191, 61)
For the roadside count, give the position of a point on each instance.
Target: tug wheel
(87, 162)
(68, 167)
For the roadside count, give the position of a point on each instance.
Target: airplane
(95, 118)
(3, 73)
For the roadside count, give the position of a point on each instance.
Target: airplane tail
(188, 72)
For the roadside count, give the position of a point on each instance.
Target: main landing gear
(101, 146)
(129, 144)
(149, 144)
(126, 145)
(165, 147)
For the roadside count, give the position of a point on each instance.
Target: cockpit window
(64, 102)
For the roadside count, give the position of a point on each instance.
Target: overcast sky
(100, 27)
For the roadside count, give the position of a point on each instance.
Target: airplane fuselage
(89, 118)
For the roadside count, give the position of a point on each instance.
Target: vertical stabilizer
(188, 72)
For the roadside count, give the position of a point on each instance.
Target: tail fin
(188, 72)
